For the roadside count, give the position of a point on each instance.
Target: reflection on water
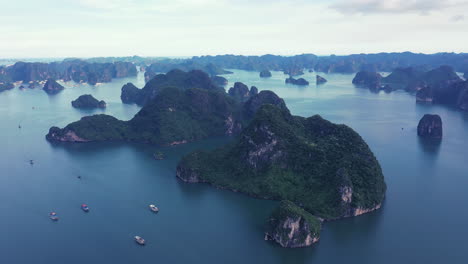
(430, 146)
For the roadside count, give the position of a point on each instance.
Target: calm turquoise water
(423, 219)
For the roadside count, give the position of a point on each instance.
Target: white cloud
(395, 6)
(458, 18)
(85, 28)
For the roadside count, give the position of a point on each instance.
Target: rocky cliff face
(187, 174)
(451, 94)
(430, 126)
(241, 91)
(462, 102)
(57, 134)
(424, 95)
(52, 87)
(124, 69)
(292, 227)
(149, 75)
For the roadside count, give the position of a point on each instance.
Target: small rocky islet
(265, 74)
(320, 80)
(300, 81)
(52, 86)
(87, 101)
(430, 126)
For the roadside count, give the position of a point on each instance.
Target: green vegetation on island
(325, 168)
(174, 78)
(175, 116)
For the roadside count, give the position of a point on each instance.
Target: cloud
(394, 6)
(458, 18)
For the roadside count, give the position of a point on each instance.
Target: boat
(140, 240)
(154, 208)
(31, 162)
(158, 156)
(85, 207)
(53, 216)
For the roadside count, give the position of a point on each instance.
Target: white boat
(153, 208)
(85, 208)
(53, 216)
(139, 240)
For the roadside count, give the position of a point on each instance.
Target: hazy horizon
(191, 56)
(162, 28)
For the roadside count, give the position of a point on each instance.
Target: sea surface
(424, 218)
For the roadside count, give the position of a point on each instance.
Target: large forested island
(328, 169)
(175, 114)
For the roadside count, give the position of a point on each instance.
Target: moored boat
(140, 240)
(154, 208)
(85, 207)
(53, 216)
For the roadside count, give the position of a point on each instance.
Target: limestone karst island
(221, 131)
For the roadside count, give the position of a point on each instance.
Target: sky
(91, 28)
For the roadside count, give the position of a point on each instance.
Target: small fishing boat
(140, 240)
(53, 216)
(85, 207)
(158, 156)
(154, 208)
(31, 162)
